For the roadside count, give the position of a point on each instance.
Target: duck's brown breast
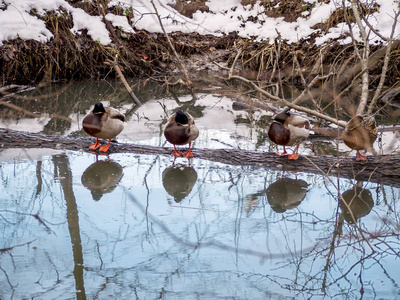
(176, 134)
(92, 124)
(278, 133)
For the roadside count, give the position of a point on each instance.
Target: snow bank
(225, 16)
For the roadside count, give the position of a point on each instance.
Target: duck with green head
(103, 123)
(181, 130)
(288, 130)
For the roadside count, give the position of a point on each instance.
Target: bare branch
(291, 104)
(385, 65)
(181, 65)
(121, 76)
(364, 60)
(35, 115)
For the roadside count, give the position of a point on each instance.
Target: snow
(120, 21)
(224, 17)
(96, 28)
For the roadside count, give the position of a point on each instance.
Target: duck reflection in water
(102, 177)
(286, 193)
(356, 201)
(178, 181)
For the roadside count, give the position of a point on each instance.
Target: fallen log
(381, 169)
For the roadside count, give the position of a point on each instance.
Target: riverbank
(69, 50)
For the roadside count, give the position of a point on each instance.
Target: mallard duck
(288, 130)
(181, 130)
(359, 134)
(103, 123)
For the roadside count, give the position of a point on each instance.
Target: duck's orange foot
(104, 148)
(293, 156)
(177, 153)
(361, 157)
(281, 154)
(188, 154)
(95, 145)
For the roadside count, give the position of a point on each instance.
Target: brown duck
(359, 134)
(181, 130)
(103, 123)
(288, 130)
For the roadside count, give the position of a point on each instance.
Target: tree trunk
(380, 169)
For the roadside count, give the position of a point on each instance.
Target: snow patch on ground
(225, 16)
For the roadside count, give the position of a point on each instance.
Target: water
(131, 226)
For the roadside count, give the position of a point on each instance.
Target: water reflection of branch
(35, 115)
(48, 95)
(344, 202)
(212, 243)
(36, 216)
(16, 246)
(8, 280)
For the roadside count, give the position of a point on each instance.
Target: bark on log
(382, 169)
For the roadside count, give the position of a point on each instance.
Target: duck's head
(181, 118)
(366, 121)
(282, 116)
(369, 120)
(99, 109)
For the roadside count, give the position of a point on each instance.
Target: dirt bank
(141, 54)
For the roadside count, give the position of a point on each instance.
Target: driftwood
(382, 169)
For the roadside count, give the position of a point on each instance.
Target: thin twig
(121, 76)
(385, 66)
(344, 202)
(182, 66)
(35, 115)
(290, 104)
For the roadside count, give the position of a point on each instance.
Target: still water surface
(131, 226)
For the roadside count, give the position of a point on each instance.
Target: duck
(181, 130)
(288, 130)
(103, 123)
(359, 134)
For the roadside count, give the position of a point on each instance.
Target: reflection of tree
(150, 253)
(63, 171)
(345, 252)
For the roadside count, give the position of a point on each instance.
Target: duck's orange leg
(95, 145)
(361, 157)
(295, 155)
(176, 152)
(188, 153)
(283, 153)
(104, 148)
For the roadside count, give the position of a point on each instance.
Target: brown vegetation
(68, 57)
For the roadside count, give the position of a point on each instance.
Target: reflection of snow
(26, 154)
(29, 124)
(218, 126)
